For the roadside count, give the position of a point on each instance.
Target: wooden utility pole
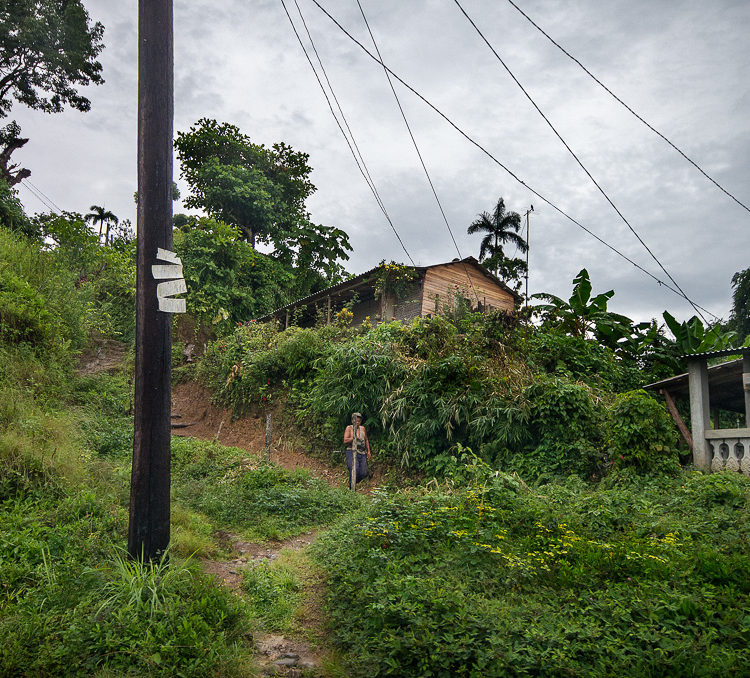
(148, 531)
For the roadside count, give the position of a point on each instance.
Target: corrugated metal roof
(719, 354)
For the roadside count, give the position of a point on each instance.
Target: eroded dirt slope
(191, 404)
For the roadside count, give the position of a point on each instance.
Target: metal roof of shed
(745, 350)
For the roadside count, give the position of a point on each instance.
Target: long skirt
(362, 471)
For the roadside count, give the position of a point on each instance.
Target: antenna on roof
(528, 211)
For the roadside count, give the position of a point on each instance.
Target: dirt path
(191, 404)
(276, 654)
(105, 355)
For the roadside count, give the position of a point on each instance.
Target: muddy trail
(300, 653)
(282, 655)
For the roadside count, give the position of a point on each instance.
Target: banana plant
(583, 315)
(692, 337)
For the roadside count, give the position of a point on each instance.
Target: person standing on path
(357, 439)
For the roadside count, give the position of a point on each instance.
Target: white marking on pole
(172, 273)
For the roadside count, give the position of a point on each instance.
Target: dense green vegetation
(538, 522)
(65, 448)
(539, 402)
(636, 576)
(259, 499)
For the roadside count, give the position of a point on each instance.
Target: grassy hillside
(71, 601)
(542, 523)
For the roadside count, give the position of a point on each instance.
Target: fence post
(267, 451)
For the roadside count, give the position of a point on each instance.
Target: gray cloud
(682, 64)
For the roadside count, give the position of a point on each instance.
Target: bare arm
(348, 436)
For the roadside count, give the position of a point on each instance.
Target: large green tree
(48, 50)
(500, 228)
(262, 191)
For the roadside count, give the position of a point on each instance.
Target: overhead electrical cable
(348, 143)
(498, 162)
(580, 163)
(370, 180)
(39, 190)
(628, 108)
(416, 146)
(39, 195)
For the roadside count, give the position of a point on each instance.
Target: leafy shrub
(249, 365)
(581, 360)
(263, 500)
(12, 216)
(642, 432)
(564, 431)
(39, 304)
(23, 314)
(495, 580)
(355, 375)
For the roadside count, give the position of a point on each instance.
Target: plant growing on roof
(393, 279)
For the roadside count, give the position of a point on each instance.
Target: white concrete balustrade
(729, 450)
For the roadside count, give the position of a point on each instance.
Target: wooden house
(390, 292)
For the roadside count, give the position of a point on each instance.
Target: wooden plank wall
(443, 281)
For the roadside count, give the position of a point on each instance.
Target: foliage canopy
(261, 191)
(48, 50)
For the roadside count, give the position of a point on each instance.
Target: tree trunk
(8, 172)
(248, 231)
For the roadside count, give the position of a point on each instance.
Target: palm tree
(99, 215)
(501, 227)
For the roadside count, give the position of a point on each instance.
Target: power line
(416, 146)
(341, 112)
(616, 98)
(38, 195)
(348, 143)
(578, 160)
(498, 162)
(59, 209)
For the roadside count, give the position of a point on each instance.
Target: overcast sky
(681, 64)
